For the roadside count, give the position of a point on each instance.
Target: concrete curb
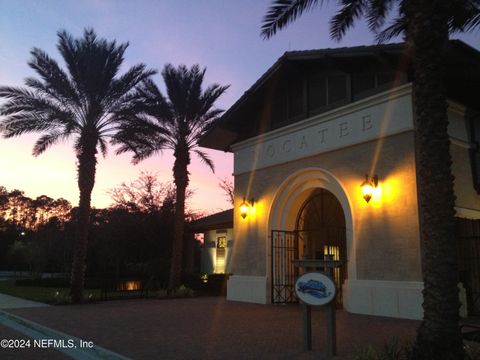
(13, 302)
(67, 344)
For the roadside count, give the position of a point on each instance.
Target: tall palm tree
(176, 123)
(81, 103)
(426, 25)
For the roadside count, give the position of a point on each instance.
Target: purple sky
(222, 35)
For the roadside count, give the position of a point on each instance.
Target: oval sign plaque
(315, 288)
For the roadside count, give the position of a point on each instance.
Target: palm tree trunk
(180, 175)
(86, 179)
(438, 336)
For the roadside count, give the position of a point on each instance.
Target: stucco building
(305, 136)
(217, 230)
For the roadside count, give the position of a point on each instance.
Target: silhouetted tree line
(132, 237)
(34, 233)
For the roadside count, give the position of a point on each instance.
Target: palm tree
(426, 25)
(82, 104)
(175, 123)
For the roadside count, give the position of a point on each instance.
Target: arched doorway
(301, 193)
(320, 230)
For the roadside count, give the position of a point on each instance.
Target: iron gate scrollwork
(284, 273)
(319, 232)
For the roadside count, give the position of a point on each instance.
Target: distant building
(217, 230)
(304, 136)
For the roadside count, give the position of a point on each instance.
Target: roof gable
(251, 114)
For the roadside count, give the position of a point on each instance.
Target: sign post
(331, 326)
(307, 327)
(317, 289)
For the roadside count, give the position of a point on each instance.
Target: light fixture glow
(368, 186)
(245, 207)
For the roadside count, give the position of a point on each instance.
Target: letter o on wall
(270, 150)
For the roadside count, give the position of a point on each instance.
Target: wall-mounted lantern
(245, 207)
(368, 186)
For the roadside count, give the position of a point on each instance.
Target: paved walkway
(30, 340)
(7, 332)
(211, 328)
(12, 302)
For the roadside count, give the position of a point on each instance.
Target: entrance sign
(315, 289)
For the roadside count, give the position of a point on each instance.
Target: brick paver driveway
(212, 328)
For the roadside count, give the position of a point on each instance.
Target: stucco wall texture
(385, 231)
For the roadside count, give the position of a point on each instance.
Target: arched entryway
(320, 229)
(310, 216)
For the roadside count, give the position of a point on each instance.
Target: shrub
(213, 284)
(180, 292)
(63, 297)
(365, 353)
(392, 350)
(472, 352)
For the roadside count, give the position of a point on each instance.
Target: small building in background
(217, 230)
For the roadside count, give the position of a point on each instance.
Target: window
(337, 88)
(220, 258)
(221, 242)
(362, 82)
(325, 90)
(295, 98)
(368, 83)
(317, 92)
(384, 78)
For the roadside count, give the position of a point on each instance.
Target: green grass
(43, 294)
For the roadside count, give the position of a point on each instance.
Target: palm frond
(464, 15)
(205, 158)
(178, 83)
(154, 103)
(473, 23)
(210, 96)
(151, 122)
(46, 141)
(89, 98)
(27, 112)
(142, 136)
(212, 115)
(15, 93)
(103, 146)
(397, 27)
(56, 82)
(16, 125)
(345, 17)
(141, 148)
(92, 63)
(125, 84)
(377, 12)
(283, 12)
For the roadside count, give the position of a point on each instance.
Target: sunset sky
(222, 35)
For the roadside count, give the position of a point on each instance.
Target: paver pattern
(212, 328)
(27, 353)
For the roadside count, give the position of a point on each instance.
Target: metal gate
(468, 245)
(329, 241)
(284, 273)
(321, 232)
